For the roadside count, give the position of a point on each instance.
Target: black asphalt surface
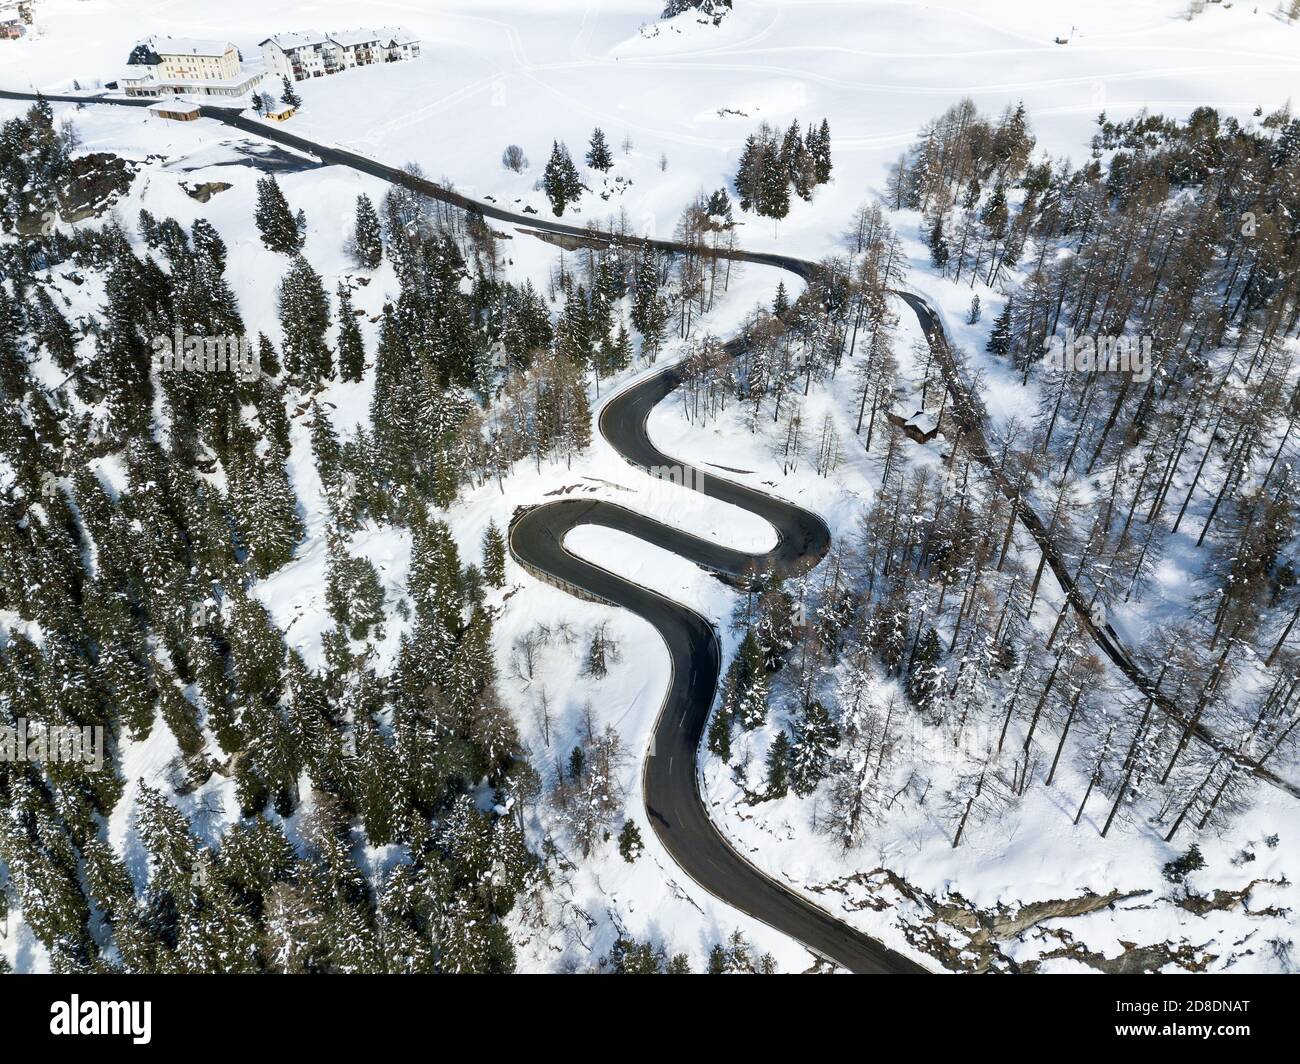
(335, 156)
(803, 541)
(673, 800)
(669, 776)
(672, 795)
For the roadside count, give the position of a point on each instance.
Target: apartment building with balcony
(310, 54)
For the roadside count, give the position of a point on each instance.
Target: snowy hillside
(348, 730)
(495, 73)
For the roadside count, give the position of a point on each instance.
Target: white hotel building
(187, 65)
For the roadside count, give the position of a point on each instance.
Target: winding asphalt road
(670, 780)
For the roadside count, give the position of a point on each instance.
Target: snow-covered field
(495, 72)
(683, 96)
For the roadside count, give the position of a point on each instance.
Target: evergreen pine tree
(367, 244)
(597, 666)
(268, 360)
(604, 294)
(576, 761)
(649, 308)
(304, 318)
(52, 331)
(720, 734)
(781, 301)
(268, 512)
(776, 624)
(274, 219)
(747, 173)
(630, 843)
(938, 244)
(573, 334)
(815, 736)
(288, 95)
(209, 248)
(797, 162)
(1000, 337)
(773, 184)
(353, 593)
(820, 149)
(598, 154)
(718, 207)
(923, 679)
(778, 766)
(745, 688)
(616, 354)
(352, 352)
(560, 179)
(494, 555)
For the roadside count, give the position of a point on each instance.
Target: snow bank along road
(669, 778)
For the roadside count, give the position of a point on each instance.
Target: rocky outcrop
(204, 191)
(1133, 959)
(86, 188)
(1219, 900)
(711, 10)
(92, 184)
(966, 938)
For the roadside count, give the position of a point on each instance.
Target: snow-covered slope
(683, 96)
(495, 72)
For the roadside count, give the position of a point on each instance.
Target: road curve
(674, 804)
(673, 800)
(970, 417)
(336, 156)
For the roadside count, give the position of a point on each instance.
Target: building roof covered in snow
(351, 38)
(396, 35)
(188, 46)
(287, 42)
(174, 107)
